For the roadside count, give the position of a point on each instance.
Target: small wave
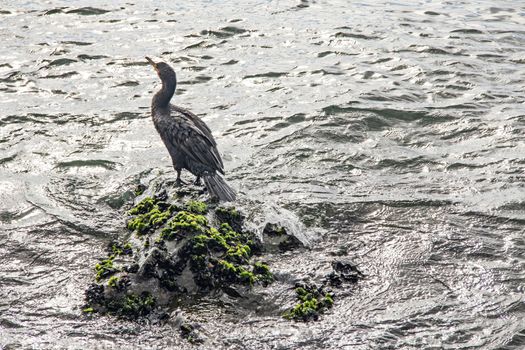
(328, 71)
(11, 77)
(224, 32)
(107, 164)
(230, 62)
(60, 76)
(266, 75)
(61, 62)
(393, 114)
(76, 43)
(88, 11)
(202, 43)
(128, 83)
(54, 11)
(198, 80)
(294, 119)
(338, 53)
(91, 57)
(124, 116)
(467, 31)
(355, 36)
(7, 159)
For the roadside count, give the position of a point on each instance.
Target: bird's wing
(199, 123)
(199, 148)
(202, 128)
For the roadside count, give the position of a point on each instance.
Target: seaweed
(119, 283)
(221, 256)
(105, 268)
(262, 273)
(139, 189)
(133, 306)
(118, 249)
(313, 301)
(182, 224)
(196, 207)
(150, 213)
(230, 216)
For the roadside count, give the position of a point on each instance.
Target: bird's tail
(218, 188)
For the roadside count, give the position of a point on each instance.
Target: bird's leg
(178, 181)
(198, 181)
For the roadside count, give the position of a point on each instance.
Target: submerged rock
(343, 271)
(315, 299)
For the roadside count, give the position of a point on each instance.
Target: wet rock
(313, 301)
(231, 216)
(276, 238)
(94, 294)
(139, 190)
(191, 333)
(178, 248)
(343, 271)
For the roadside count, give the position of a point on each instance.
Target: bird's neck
(163, 96)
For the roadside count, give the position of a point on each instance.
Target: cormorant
(187, 138)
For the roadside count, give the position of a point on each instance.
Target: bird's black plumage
(188, 139)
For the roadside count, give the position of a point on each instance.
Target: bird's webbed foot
(179, 183)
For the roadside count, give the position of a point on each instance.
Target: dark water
(394, 132)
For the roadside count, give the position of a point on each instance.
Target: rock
(178, 248)
(343, 271)
(276, 238)
(313, 301)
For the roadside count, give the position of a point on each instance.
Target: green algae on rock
(179, 248)
(105, 268)
(139, 189)
(221, 256)
(313, 301)
(121, 249)
(113, 281)
(196, 206)
(149, 213)
(230, 216)
(88, 310)
(127, 305)
(263, 273)
(183, 224)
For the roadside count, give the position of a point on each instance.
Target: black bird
(187, 138)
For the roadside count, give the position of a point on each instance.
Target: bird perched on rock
(188, 139)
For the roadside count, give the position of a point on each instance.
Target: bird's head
(164, 71)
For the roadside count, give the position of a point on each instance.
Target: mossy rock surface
(313, 301)
(179, 249)
(176, 249)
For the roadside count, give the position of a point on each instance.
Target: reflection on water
(394, 132)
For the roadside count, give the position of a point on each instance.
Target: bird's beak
(152, 63)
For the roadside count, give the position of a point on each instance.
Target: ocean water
(393, 131)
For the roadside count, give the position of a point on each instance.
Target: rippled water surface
(394, 131)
